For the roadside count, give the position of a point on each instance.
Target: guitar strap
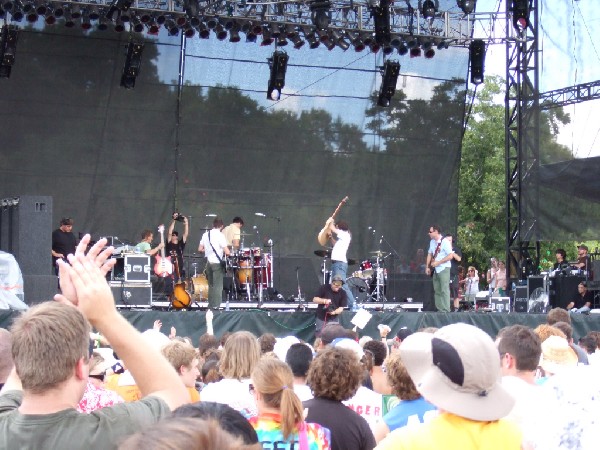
(437, 250)
(216, 254)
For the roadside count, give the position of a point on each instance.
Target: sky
(569, 57)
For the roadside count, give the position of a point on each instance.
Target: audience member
(206, 343)
(184, 360)
(557, 355)
(267, 343)
(6, 361)
(412, 407)
(96, 396)
(186, 433)
(229, 419)
(280, 421)
(240, 355)
(380, 382)
(51, 356)
(299, 357)
(557, 315)
(334, 376)
(457, 369)
(544, 331)
(329, 333)
(566, 328)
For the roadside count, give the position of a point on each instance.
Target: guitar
(163, 267)
(180, 298)
(437, 250)
(325, 234)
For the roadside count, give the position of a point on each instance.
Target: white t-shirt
(231, 392)
(368, 404)
(218, 241)
(341, 246)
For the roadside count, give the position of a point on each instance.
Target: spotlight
(220, 32)
(320, 14)
(339, 40)
(281, 41)
(520, 10)
(41, 7)
(133, 62)
(429, 53)
(137, 25)
(389, 73)
(467, 6)
(227, 22)
(144, 17)
(75, 12)
(85, 22)
(212, 23)
(189, 31)
(297, 41)
(69, 21)
(375, 47)
(171, 27)
(415, 52)
(357, 42)
(381, 19)
(412, 42)
(8, 5)
(94, 13)
(9, 35)
(441, 45)
(118, 5)
(266, 36)
(161, 19)
(59, 11)
(203, 31)
(32, 16)
(313, 42)
(330, 45)
(234, 33)
(291, 32)
(17, 15)
(119, 26)
(402, 49)
(429, 8)
(323, 36)
(102, 24)
(278, 65)
(50, 16)
(181, 21)
(477, 57)
(388, 50)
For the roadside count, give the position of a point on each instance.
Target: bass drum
(359, 289)
(200, 284)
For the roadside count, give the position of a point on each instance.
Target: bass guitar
(180, 298)
(163, 267)
(325, 233)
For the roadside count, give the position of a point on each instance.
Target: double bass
(325, 233)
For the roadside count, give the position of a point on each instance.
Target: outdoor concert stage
(301, 323)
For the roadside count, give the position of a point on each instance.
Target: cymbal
(377, 252)
(246, 234)
(323, 253)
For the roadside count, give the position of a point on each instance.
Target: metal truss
(522, 121)
(570, 95)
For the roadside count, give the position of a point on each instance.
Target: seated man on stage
(561, 263)
(582, 303)
(583, 259)
(232, 233)
(332, 300)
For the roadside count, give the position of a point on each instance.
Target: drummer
(232, 233)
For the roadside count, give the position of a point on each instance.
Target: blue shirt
(445, 250)
(406, 410)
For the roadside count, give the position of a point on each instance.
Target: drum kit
(252, 271)
(366, 284)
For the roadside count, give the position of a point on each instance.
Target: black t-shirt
(580, 301)
(338, 299)
(63, 242)
(177, 249)
(455, 263)
(349, 431)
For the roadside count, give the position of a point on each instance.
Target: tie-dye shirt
(268, 429)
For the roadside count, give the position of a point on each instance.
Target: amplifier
(137, 295)
(521, 299)
(132, 268)
(500, 304)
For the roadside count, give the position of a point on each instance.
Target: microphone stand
(394, 253)
(301, 305)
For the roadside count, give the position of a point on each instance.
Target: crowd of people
(76, 374)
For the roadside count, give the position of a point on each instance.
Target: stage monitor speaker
(26, 233)
(135, 295)
(521, 299)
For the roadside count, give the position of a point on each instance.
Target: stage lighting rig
(428, 8)
(320, 13)
(390, 72)
(380, 11)
(477, 57)
(520, 11)
(278, 66)
(9, 36)
(118, 5)
(133, 62)
(466, 6)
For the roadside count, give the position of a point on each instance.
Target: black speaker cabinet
(521, 299)
(26, 232)
(134, 295)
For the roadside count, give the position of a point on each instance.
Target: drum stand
(379, 273)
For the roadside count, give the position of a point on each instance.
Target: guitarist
(341, 237)
(438, 266)
(214, 246)
(145, 245)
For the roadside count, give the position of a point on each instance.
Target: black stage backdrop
(198, 135)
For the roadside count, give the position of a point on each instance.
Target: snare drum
(200, 284)
(367, 269)
(245, 253)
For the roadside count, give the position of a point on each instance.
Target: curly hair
(399, 379)
(544, 331)
(335, 374)
(377, 348)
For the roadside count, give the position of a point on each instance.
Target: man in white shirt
(339, 262)
(214, 246)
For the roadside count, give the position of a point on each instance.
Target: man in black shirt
(63, 242)
(332, 300)
(582, 303)
(175, 246)
(456, 258)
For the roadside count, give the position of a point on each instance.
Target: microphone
(260, 214)
(211, 215)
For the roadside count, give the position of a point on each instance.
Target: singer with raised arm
(214, 246)
(438, 267)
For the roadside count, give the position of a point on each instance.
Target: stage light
(477, 59)
(312, 40)
(381, 18)
(467, 6)
(403, 49)
(137, 25)
(291, 32)
(221, 32)
(320, 14)
(415, 52)
(234, 33)
(429, 53)
(428, 8)
(338, 39)
(145, 17)
(297, 41)
(357, 42)
(85, 21)
(181, 21)
(389, 73)
(375, 47)
(133, 63)
(203, 31)
(94, 13)
(520, 12)
(388, 50)
(50, 18)
(441, 44)
(69, 21)
(75, 12)
(278, 66)
(412, 42)
(212, 23)
(41, 7)
(8, 5)
(16, 15)
(189, 31)
(102, 24)
(281, 41)
(266, 36)
(119, 26)
(118, 5)
(330, 45)
(9, 35)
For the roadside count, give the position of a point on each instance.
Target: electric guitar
(325, 233)
(163, 267)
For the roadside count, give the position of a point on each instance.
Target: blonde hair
(275, 382)
(179, 353)
(240, 354)
(48, 341)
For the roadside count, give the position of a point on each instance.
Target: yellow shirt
(132, 393)
(450, 432)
